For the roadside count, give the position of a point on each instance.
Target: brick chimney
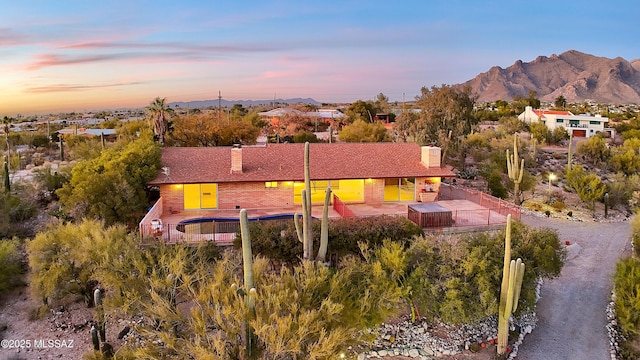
(236, 159)
(430, 156)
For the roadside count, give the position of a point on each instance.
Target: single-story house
(87, 132)
(272, 176)
(578, 125)
(326, 115)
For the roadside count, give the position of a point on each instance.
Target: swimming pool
(216, 225)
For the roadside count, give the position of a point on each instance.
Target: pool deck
(464, 213)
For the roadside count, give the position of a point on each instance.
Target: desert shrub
(558, 135)
(535, 206)
(621, 188)
(494, 183)
(558, 205)
(463, 275)
(10, 264)
(50, 180)
(15, 209)
(557, 196)
(626, 158)
(594, 150)
(588, 186)
(635, 233)
(540, 132)
(345, 233)
(303, 136)
(278, 239)
(65, 258)
(627, 303)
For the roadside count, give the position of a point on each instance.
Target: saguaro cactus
(7, 182)
(94, 338)
(304, 230)
(570, 155)
(515, 169)
(324, 230)
(606, 205)
(247, 260)
(512, 274)
(97, 299)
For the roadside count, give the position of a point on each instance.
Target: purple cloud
(9, 37)
(75, 87)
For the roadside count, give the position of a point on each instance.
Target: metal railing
(492, 203)
(222, 233)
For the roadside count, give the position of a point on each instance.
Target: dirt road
(571, 309)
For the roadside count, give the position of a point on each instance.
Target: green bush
(277, 240)
(627, 305)
(345, 233)
(458, 278)
(10, 264)
(13, 211)
(494, 183)
(65, 258)
(558, 205)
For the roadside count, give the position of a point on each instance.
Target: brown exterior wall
(254, 195)
(172, 197)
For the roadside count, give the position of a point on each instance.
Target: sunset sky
(92, 55)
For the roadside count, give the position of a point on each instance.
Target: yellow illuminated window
(271, 184)
(208, 196)
(200, 196)
(402, 189)
(191, 196)
(350, 190)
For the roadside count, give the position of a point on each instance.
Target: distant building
(578, 125)
(274, 116)
(87, 132)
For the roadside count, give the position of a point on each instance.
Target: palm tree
(159, 114)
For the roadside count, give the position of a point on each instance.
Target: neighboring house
(274, 116)
(579, 125)
(88, 132)
(215, 180)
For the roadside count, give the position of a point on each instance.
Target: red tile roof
(541, 113)
(285, 162)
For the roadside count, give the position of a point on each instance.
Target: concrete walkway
(571, 309)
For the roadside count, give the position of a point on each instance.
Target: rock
(414, 353)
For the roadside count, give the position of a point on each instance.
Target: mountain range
(245, 103)
(575, 75)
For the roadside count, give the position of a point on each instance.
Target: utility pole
(219, 104)
(403, 103)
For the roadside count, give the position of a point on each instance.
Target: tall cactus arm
(324, 231)
(519, 272)
(247, 257)
(521, 171)
(298, 223)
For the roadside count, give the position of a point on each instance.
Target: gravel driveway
(571, 309)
